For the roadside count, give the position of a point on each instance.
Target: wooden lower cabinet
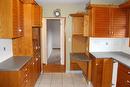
(123, 79)
(101, 72)
(25, 77)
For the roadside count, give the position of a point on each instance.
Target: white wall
(105, 44)
(54, 25)
(5, 54)
(53, 34)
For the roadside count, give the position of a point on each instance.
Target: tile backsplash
(5, 49)
(105, 44)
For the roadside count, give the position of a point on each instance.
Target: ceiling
(62, 1)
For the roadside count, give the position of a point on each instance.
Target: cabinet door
(86, 25)
(97, 68)
(122, 77)
(36, 15)
(107, 73)
(119, 22)
(9, 18)
(78, 23)
(20, 18)
(100, 22)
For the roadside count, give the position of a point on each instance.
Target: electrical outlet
(107, 43)
(4, 48)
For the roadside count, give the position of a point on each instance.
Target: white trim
(75, 72)
(44, 49)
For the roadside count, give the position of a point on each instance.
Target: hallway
(54, 57)
(61, 80)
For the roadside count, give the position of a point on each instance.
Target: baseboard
(53, 68)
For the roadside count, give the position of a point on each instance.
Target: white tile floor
(61, 80)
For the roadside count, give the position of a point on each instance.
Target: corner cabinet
(107, 21)
(11, 18)
(123, 79)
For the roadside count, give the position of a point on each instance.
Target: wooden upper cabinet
(10, 13)
(36, 15)
(100, 22)
(77, 25)
(119, 22)
(108, 22)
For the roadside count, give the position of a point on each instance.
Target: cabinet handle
(112, 32)
(26, 81)
(36, 59)
(26, 69)
(26, 75)
(128, 81)
(96, 64)
(128, 73)
(20, 30)
(36, 47)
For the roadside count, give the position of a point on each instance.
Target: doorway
(53, 45)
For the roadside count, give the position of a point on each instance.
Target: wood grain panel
(86, 26)
(6, 18)
(23, 45)
(100, 25)
(36, 15)
(77, 25)
(107, 73)
(119, 22)
(78, 44)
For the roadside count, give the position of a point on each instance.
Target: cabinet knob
(26, 69)
(128, 81)
(128, 73)
(26, 75)
(26, 81)
(36, 47)
(112, 32)
(36, 59)
(33, 63)
(20, 30)
(96, 64)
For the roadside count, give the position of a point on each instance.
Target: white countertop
(119, 56)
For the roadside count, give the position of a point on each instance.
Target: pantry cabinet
(107, 21)
(11, 18)
(29, 44)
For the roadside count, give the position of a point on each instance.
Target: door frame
(44, 29)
